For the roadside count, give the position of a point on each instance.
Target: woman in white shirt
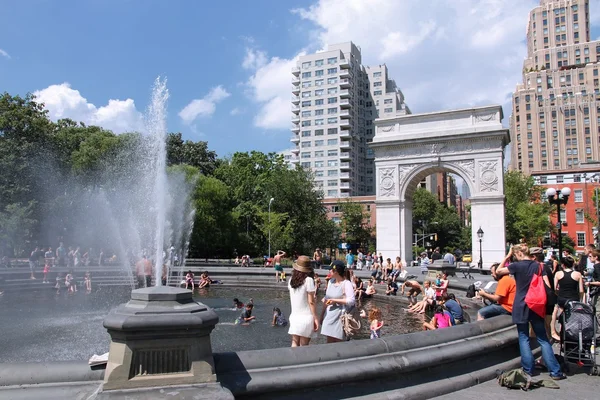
(303, 319)
(339, 297)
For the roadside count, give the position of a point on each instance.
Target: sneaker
(558, 377)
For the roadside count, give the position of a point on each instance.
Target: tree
(191, 153)
(526, 215)
(355, 226)
(16, 226)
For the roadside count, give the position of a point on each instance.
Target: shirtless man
(278, 268)
(317, 257)
(415, 290)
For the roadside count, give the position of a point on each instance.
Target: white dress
(301, 319)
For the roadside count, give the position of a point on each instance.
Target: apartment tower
(334, 102)
(555, 122)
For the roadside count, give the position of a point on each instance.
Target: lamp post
(270, 201)
(480, 237)
(558, 197)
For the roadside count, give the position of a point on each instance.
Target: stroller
(578, 336)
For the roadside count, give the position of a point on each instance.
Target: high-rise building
(334, 102)
(555, 121)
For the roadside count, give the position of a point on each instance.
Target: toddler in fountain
(376, 323)
(246, 315)
(278, 318)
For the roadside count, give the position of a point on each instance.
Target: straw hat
(303, 264)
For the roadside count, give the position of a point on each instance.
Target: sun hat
(303, 264)
(536, 250)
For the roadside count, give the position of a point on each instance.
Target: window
(305, 155)
(388, 101)
(306, 113)
(563, 215)
(332, 60)
(543, 179)
(578, 196)
(306, 103)
(306, 94)
(318, 112)
(306, 65)
(331, 153)
(376, 74)
(332, 183)
(318, 63)
(332, 131)
(305, 123)
(331, 81)
(376, 84)
(332, 172)
(319, 72)
(331, 142)
(319, 143)
(333, 193)
(318, 92)
(319, 102)
(319, 153)
(319, 164)
(388, 110)
(318, 132)
(306, 75)
(306, 84)
(305, 144)
(581, 242)
(305, 133)
(332, 100)
(331, 71)
(319, 122)
(332, 110)
(319, 82)
(305, 164)
(332, 120)
(318, 173)
(332, 163)
(332, 90)
(377, 93)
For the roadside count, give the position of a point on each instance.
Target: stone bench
(441, 266)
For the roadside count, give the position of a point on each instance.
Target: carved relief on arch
(488, 176)
(467, 166)
(387, 182)
(403, 172)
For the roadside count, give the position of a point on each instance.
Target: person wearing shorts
(414, 291)
(278, 268)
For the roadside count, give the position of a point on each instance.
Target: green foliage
(431, 216)
(526, 214)
(355, 227)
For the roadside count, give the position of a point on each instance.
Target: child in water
(376, 323)
(246, 316)
(237, 304)
(278, 318)
(87, 280)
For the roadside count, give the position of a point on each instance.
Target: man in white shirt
(449, 258)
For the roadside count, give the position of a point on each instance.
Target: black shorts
(414, 292)
(562, 301)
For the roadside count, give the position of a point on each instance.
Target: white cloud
(271, 87)
(442, 54)
(62, 101)
(254, 59)
(4, 54)
(204, 107)
(236, 111)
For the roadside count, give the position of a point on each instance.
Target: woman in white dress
(303, 319)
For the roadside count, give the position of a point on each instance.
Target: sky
(228, 64)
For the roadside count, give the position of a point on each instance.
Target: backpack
(471, 291)
(536, 294)
(517, 379)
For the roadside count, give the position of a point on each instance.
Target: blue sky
(229, 62)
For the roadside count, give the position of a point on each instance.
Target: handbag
(536, 294)
(351, 322)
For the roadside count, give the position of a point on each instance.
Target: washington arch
(469, 143)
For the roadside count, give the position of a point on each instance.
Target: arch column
(488, 213)
(394, 237)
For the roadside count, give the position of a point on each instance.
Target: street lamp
(270, 201)
(558, 197)
(480, 237)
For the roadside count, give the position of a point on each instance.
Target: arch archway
(469, 143)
